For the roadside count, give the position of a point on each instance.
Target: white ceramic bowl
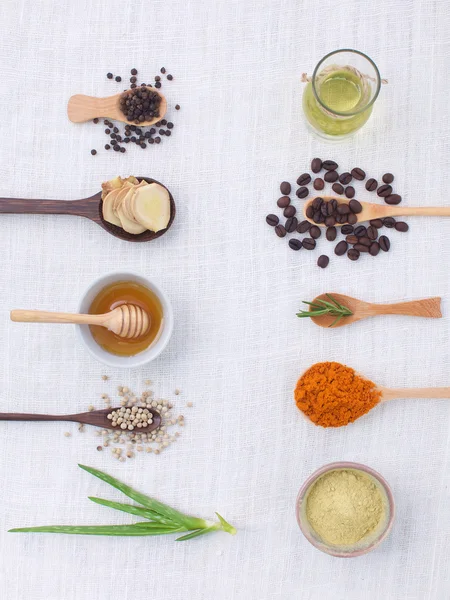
(143, 357)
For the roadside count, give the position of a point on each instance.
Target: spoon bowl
(81, 108)
(90, 208)
(97, 418)
(372, 211)
(428, 308)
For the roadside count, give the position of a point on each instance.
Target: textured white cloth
(237, 348)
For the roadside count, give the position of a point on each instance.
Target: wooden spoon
(379, 211)
(91, 208)
(98, 418)
(85, 108)
(429, 307)
(127, 320)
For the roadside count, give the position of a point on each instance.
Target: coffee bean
(331, 208)
(291, 224)
(401, 226)
(302, 192)
(361, 248)
(93, 152)
(371, 184)
(351, 239)
(393, 199)
(353, 254)
(323, 261)
(304, 179)
(280, 231)
(329, 165)
(331, 234)
(345, 178)
(334, 203)
(378, 223)
(343, 209)
(310, 212)
(355, 206)
(109, 75)
(349, 191)
(285, 188)
(319, 183)
(384, 242)
(303, 227)
(315, 232)
(337, 187)
(389, 222)
(316, 165)
(324, 209)
(384, 190)
(289, 211)
(309, 244)
(341, 219)
(331, 176)
(372, 232)
(283, 201)
(388, 178)
(347, 229)
(295, 244)
(341, 248)
(352, 219)
(374, 248)
(365, 241)
(317, 203)
(358, 174)
(330, 221)
(360, 231)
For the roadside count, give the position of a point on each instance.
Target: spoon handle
(33, 417)
(42, 316)
(428, 307)
(432, 392)
(18, 206)
(81, 108)
(425, 211)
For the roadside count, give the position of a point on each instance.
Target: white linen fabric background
(238, 348)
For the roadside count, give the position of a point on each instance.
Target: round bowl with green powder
(345, 509)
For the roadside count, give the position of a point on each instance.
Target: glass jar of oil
(339, 98)
(127, 292)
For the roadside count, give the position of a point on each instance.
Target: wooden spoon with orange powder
(334, 395)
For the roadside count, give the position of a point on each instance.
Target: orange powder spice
(333, 395)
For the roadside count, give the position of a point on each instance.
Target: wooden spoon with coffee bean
(366, 211)
(83, 108)
(428, 308)
(90, 208)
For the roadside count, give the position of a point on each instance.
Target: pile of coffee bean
(143, 105)
(358, 239)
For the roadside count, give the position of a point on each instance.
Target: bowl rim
(337, 466)
(147, 355)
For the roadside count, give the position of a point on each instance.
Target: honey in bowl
(127, 292)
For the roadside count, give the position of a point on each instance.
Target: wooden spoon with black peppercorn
(90, 208)
(83, 108)
(367, 211)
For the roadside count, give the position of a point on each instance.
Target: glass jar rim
(346, 113)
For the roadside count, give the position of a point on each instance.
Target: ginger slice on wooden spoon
(150, 206)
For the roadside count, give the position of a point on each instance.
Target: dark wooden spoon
(98, 418)
(91, 208)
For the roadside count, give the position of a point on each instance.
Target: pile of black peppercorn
(358, 239)
(138, 104)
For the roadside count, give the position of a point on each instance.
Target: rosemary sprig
(322, 307)
(162, 519)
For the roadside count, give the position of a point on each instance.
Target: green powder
(345, 506)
